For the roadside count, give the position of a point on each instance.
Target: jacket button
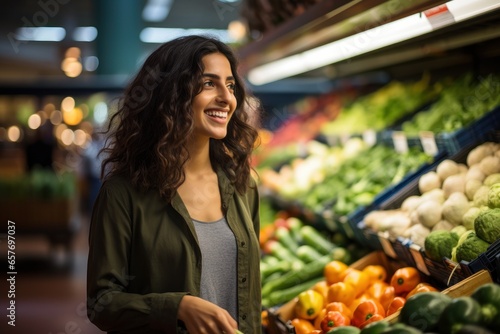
(243, 244)
(244, 316)
(244, 279)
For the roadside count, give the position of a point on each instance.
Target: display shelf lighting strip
(372, 39)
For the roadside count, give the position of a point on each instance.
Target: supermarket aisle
(49, 298)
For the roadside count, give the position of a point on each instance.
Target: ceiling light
(85, 34)
(371, 39)
(40, 34)
(162, 35)
(156, 10)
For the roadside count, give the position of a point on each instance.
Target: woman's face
(215, 104)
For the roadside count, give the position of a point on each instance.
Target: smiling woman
(178, 192)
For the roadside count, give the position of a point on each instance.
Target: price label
(370, 137)
(419, 260)
(439, 16)
(400, 142)
(428, 142)
(386, 245)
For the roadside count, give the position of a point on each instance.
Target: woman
(174, 231)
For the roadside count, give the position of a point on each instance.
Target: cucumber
(315, 239)
(269, 259)
(281, 252)
(309, 271)
(294, 224)
(307, 253)
(267, 269)
(282, 296)
(284, 236)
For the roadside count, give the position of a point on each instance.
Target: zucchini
(282, 296)
(280, 251)
(294, 224)
(315, 239)
(309, 271)
(307, 253)
(267, 269)
(284, 236)
(269, 259)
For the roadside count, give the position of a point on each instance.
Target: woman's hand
(203, 317)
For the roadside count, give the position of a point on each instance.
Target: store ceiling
(27, 60)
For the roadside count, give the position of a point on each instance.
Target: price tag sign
(370, 137)
(428, 142)
(400, 142)
(439, 16)
(419, 260)
(386, 245)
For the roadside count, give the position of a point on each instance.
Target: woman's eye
(231, 86)
(208, 84)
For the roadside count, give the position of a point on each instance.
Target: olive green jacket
(144, 257)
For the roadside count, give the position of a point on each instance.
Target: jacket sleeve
(254, 201)
(109, 304)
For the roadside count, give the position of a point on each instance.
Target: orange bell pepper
(341, 292)
(322, 288)
(359, 280)
(335, 271)
(421, 287)
(309, 304)
(376, 317)
(396, 304)
(365, 311)
(340, 307)
(334, 319)
(302, 326)
(376, 272)
(405, 279)
(377, 289)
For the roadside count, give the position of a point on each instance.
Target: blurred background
(63, 63)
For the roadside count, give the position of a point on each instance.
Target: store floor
(49, 295)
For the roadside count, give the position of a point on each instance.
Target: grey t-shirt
(219, 257)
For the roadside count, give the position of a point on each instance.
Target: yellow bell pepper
(309, 304)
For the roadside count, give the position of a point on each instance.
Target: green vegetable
(375, 327)
(278, 297)
(488, 296)
(281, 252)
(315, 239)
(309, 271)
(487, 225)
(473, 329)
(285, 237)
(307, 253)
(470, 247)
(401, 329)
(494, 196)
(268, 269)
(461, 311)
(344, 330)
(439, 244)
(423, 310)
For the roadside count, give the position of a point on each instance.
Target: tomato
(335, 271)
(340, 307)
(421, 287)
(359, 280)
(365, 311)
(334, 319)
(302, 326)
(376, 272)
(396, 304)
(405, 279)
(309, 304)
(341, 292)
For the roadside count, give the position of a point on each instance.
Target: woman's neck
(199, 159)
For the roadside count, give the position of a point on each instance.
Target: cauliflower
(455, 207)
(471, 187)
(454, 183)
(437, 195)
(429, 181)
(475, 173)
(487, 225)
(481, 196)
(470, 216)
(469, 248)
(490, 165)
(492, 179)
(478, 153)
(429, 213)
(443, 225)
(439, 244)
(447, 168)
(410, 203)
(494, 196)
(417, 234)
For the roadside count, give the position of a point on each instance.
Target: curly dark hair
(147, 136)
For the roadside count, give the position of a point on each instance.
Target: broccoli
(439, 244)
(494, 196)
(470, 248)
(487, 225)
